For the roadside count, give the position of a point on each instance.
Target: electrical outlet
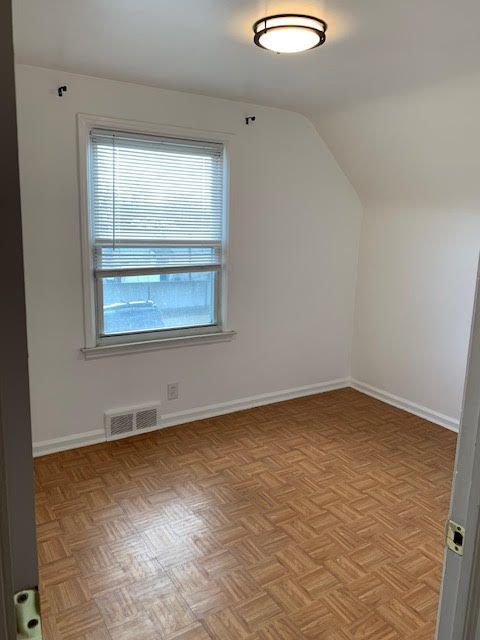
(172, 391)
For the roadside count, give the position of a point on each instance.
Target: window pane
(156, 302)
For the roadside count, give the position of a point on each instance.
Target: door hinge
(27, 609)
(455, 537)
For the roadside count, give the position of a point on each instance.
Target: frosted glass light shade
(289, 33)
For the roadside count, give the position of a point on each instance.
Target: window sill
(152, 345)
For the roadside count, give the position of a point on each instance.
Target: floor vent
(126, 422)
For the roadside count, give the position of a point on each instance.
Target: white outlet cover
(172, 391)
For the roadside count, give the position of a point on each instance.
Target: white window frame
(146, 341)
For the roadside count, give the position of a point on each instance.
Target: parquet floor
(318, 518)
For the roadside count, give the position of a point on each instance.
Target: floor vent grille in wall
(124, 422)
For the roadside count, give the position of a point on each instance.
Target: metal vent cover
(121, 423)
(146, 419)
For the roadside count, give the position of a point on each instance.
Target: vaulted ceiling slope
(374, 47)
(419, 148)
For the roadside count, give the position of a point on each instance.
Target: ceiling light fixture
(289, 33)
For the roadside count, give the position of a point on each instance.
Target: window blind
(156, 202)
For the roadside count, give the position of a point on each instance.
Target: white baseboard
(406, 405)
(45, 447)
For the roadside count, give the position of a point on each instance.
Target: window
(156, 236)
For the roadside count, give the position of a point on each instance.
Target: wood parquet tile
(318, 518)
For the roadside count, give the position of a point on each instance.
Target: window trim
(146, 341)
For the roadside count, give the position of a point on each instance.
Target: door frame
(7, 612)
(18, 552)
(460, 591)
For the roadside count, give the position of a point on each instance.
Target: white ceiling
(374, 47)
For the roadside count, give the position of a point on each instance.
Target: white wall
(294, 231)
(414, 303)
(414, 161)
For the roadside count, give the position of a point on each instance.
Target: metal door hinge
(455, 538)
(27, 609)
